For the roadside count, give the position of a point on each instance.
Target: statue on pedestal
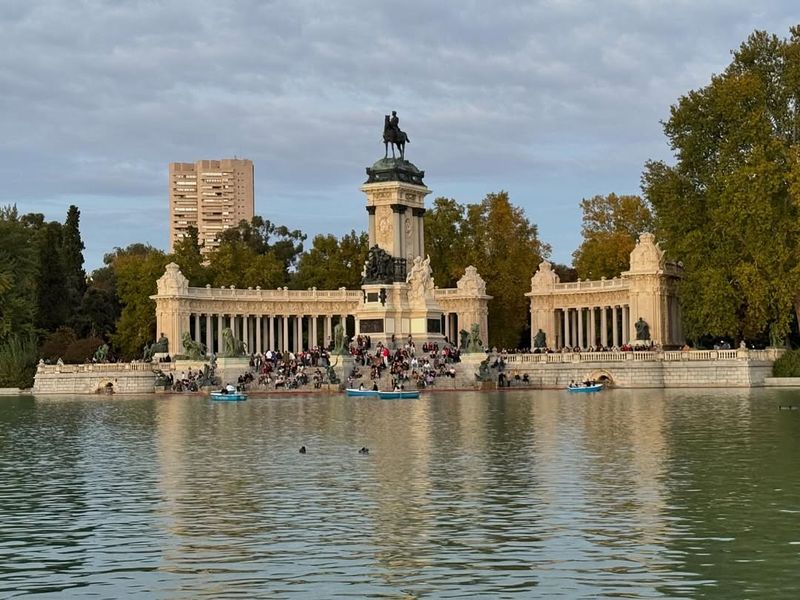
(194, 350)
(392, 134)
(642, 330)
(231, 347)
(160, 346)
(540, 339)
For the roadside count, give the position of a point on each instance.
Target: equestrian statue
(394, 136)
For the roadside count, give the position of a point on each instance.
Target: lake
(625, 493)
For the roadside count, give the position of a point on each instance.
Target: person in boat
(571, 383)
(375, 386)
(361, 386)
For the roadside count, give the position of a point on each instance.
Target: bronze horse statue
(392, 135)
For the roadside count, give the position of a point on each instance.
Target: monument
(397, 297)
(397, 281)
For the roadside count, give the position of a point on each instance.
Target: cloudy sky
(552, 101)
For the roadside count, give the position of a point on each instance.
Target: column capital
(398, 208)
(371, 210)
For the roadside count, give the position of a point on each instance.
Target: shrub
(81, 350)
(56, 344)
(17, 362)
(787, 365)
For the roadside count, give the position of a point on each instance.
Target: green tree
(611, 226)
(444, 241)
(263, 238)
(72, 262)
(728, 208)
(53, 309)
(188, 257)
(332, 263)
(505, 248)
(136, 270)
(235, 263)
(18, 276)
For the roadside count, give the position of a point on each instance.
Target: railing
(588, 285)
(99, 368)
(646, 356)
(278, 294)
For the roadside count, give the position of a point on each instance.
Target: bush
(17, 362)
(81, 350)
(787, 365)
(56, 344)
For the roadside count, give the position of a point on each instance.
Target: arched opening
(602, 376)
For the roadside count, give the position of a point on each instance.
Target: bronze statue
(160, 346)
(194, 350)
(642, 329)
(392, 134)
(231, 347)
(540, 339)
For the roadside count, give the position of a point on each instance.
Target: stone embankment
(678, 369)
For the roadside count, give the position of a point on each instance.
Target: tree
(188, 257)
(72, 261)
(331, 263)
(136, 270)
(262, 237)
(728, 208)
(444, 241)
(504, 246)
(611, 226)
(235, 263)
(18, 276)
(52, 303)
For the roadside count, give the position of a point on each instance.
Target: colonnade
(266, 332)
(592, 326)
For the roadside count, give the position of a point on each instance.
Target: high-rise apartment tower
(212, 195)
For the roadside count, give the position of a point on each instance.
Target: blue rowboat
(398, 395)
(595, 387)
(357, 392)
(228, 396)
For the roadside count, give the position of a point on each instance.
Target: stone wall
(125, 378)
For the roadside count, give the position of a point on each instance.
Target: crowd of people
(403, 361)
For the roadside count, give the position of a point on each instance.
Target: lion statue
(474, 343)
(194, 350)
(231, 347)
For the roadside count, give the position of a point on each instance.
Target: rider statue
(392, 134)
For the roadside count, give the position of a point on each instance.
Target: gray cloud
(553, 101)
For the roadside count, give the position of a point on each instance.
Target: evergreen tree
(72, 261)
(52, 297)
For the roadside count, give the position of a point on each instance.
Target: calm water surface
(634, 494)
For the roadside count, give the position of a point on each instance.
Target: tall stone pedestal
(229, 369)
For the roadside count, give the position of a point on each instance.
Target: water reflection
(628, 493)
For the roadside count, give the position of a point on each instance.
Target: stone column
(398, 210)
(298, 340)
(592, 335)
(315, 341)
(197, 337)
(328, 328)
(285, 334)
(209, 336)
(220, 323)
(614, 324)
(626, 322)
(371, 227)
(259, 328)
(246, 333)
(447, 325)
(580, 328)
(567, 336)
(271, 333)
(604, 326)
